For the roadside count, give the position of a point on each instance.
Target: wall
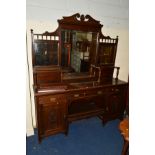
(29, 123)
(113, 14)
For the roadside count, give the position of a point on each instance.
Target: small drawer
(76, 95)
(114, 89)
(94, 92)
(52, 99)
(99, 92)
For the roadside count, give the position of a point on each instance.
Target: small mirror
(46, 52)
(78, 50)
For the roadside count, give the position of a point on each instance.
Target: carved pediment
(77, 19)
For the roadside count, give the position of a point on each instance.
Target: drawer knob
(99, 92)
(107, 109)
(65, 117)
(52, 99)
(76, 95)
(116, 90)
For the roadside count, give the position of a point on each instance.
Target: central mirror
(78, 50)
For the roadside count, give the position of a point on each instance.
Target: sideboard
(75, 76)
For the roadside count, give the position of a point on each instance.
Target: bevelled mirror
(78, 49)
(46, 53)
(79, 37)
(45, 48)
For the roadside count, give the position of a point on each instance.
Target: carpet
(85, 137)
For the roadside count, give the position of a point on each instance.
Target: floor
(85, 137)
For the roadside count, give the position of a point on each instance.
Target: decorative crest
(79, 19)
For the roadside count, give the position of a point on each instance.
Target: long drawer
(95, 92)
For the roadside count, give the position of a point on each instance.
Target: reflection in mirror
(78, 50)
(106, 53)
(46, 52)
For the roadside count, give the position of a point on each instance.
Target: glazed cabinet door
(52, 115)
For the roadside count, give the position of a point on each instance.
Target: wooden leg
(39, 139)
(104, 121)
(125, 147)
(66, 132)
(121, 118)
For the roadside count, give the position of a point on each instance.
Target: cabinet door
(53, 116)
(115, 102)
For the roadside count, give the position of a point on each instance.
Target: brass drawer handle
(107, 109)
(99, 92)
(65, 117)
(117, 90)
(52, 99)
(76, 95)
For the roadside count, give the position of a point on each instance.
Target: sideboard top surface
(59, 88)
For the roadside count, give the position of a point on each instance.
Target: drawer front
(48, 77)
(83, 94)
(96, 92)
(76, 95)
(115, 89)
(102, 91)
(52, 99)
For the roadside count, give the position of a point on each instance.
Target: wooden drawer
(102, 91)
(53, 99)
(95, 92)
(115, 89)
(85, 94)
(48, 77)
(77, 94)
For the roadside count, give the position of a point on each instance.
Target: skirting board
(29, 132)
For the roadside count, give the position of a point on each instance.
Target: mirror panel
(106, 53)
(46, 52)
(78, 49)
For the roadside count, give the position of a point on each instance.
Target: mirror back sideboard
(73, 72)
